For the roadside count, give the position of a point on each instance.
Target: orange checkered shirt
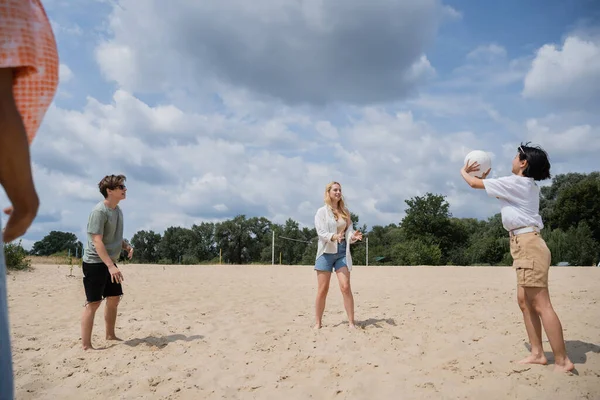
(28, 45)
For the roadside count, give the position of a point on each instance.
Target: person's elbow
(29, 205)
(476, 183)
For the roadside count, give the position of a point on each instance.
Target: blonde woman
(334, 227)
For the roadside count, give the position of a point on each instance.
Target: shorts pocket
(527, 274)
(523, 264)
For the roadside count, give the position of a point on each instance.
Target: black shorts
(97, 283)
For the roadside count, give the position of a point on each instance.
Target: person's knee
(541, 303)
(345, 288)
(322, 291)
(113, 301)
(93, 305)
(540, 306)
(522, 301)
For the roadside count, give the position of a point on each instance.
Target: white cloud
(118, 64)
(300, 52)
(455, 105)
(64, 73)
(569, 76)
(565, 141)
(327, 130)
(66, 29)
(487, 66)
(452, 13)
(487, 52)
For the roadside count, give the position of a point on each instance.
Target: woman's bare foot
(88, 347)
(564, 366)
(317, 326)
(534, 359)
(352, 325)
(113, 337)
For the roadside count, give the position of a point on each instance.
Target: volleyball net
(278, 243)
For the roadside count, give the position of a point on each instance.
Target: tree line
(427, 235)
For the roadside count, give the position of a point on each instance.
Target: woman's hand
(474, 167)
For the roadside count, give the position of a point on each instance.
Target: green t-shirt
(108, 223)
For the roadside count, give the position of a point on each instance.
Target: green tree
(381, 242)
(358, 249)
(428, 220)
(56, 242)
(417, 252)
(310, 252)
(259, 230)
(463, 229)
(175, 243)
(203, 245)
(571, 199)
(575, 246)
(239, 239)
(490, 244)
(146, 245)
(291, 243)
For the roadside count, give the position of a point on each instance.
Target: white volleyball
(484, 160)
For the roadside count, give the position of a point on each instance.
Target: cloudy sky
(216, 108)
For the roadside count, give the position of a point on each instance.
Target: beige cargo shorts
(532, 259)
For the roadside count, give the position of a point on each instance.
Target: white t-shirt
(519, 198)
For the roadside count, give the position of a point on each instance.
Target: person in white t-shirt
(334, 227)
(520, 202)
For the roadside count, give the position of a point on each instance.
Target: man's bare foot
(112, 337)
(88, 347)
(533, 359)
(317, 326)
(565, 366)
(352, 325)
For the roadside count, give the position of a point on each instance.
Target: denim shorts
(6, 371)
(329, 262)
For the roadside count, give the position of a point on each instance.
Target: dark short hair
(110, 182)
(538, 165)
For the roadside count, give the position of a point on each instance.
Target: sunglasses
(522, 151)
(122, 187)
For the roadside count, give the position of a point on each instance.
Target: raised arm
(474, 182)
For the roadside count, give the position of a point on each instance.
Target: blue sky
(217, 108)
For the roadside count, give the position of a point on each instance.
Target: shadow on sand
(376, 322)
(576, 350)
(161, 342)
(371, 321)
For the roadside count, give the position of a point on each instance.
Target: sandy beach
(245, 332)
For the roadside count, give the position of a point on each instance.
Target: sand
(245, 332)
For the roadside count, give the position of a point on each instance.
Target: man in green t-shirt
(101, 276)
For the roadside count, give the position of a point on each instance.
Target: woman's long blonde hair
(342, 211)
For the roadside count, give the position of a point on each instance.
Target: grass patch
(16, 257)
